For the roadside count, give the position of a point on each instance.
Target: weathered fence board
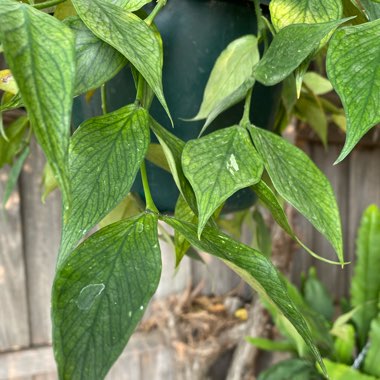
(14, 328)
(41, 226)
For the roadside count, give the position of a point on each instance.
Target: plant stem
(48, 4)
(156, 10)
(247, 108)
(148, 196)
(104, 98)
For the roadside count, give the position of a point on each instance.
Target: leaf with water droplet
(100, 293)
(88, 295)
(104, 161)
(218, 165)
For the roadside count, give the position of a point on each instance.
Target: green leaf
(339, 371)
(355, 75)
(351, 8)
(105, 155)
(15, 133)
(182, 212)
(310, 110)
(287, 12)
(291, 369)
(156, 156)
(256, 269)
(217, 166)
(12, 103)
(344, 345)
(40, 52)
(49, 183)
(130, 5)
(317, 296)
(128, 34)
(173, 148)
(365, 288)
(234, 66)
(297, 179)
(64, 10)
(371, 9)
(372, 360)
(129, 207)
(318, 84)
(96, 61)
(14, 174)
(234, 98)
(290, 47)
(100, 294)
(262, 239)
(271, 345)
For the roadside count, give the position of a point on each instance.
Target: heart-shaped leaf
(100, 295)
(365, 288)
(96, 61)
(234, 65)
(290, 47)
(297, 179)
(218, 165)
(287, 12)
(355, 75)
(40, 52)
(105, 155)
(256, 269)
(128, 34)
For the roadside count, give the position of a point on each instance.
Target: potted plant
(106, 281)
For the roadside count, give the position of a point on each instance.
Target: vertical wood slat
(364, 182)
(14, 327)
(333, 276)
(41, 225)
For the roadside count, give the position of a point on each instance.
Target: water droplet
(88, 295)
(140, 227)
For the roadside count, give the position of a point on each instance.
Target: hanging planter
(194, 33)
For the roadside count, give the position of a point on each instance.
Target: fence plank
(364, 183)
(41, 241)
(14, 329)
(333, 276)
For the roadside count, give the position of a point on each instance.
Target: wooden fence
(29, 237)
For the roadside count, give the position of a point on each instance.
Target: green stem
(48, 4)
(140, 91)
(247, 109)
(148, 196)
(104, 98)
(156, 10)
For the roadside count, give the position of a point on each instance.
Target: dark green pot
(194, 33)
